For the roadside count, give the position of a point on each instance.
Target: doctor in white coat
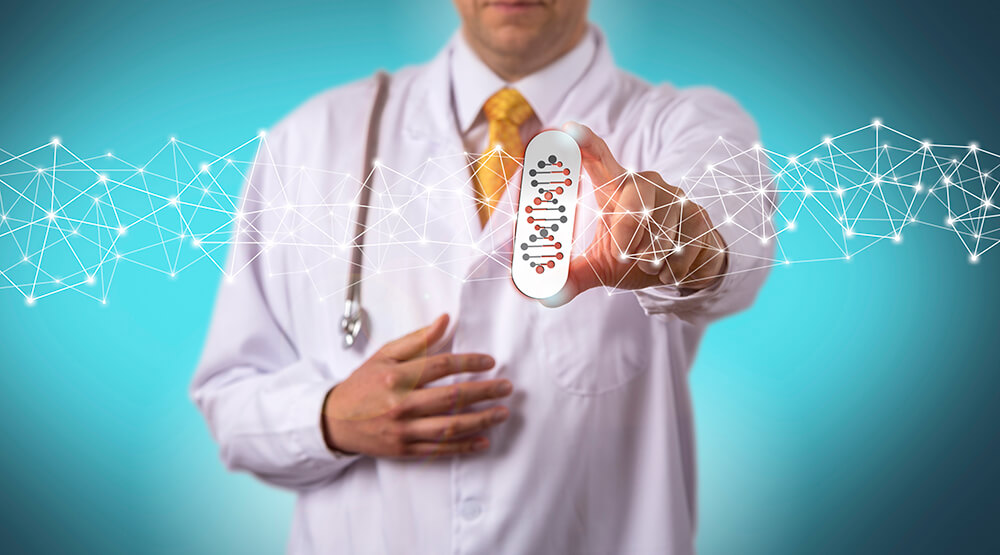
(499, 426)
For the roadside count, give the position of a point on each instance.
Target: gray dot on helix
(562, 208)
(541, 164)
(531, 173)
(524, 246)
(526, 257)
(552, 158)
(563, 219)
(545, 232)
(555, 227)
(534, 183)
(533, 238)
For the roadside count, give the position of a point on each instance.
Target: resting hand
(384, 408)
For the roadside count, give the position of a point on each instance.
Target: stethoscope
(354, 321)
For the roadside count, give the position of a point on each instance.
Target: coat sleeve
(705, 144)
(261, 399)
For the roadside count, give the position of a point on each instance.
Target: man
(503, 426)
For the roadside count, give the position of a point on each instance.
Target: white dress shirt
(598, 454)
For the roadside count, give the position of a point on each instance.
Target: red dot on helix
(531, 220)
(528, 209)
(558, 246)
(569, 182)
(566, 171)
(538, 200)
(558, 164)
(559, 256)
(551, 264)
(539, 268)
(548, 196)
(537, 227)
(559, 190)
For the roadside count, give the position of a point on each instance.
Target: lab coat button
(471, 509)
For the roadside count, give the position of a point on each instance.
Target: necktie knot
(507, 105)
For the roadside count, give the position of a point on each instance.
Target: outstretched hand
(649, 232)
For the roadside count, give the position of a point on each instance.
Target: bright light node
(229, 279)
(974, 258)
(947, 180)
(807, 191)
(195, 243)
(29, 300)
(118, 256)
(229, 160)
(897, 238)
(103, 178)
(840, 192)
(793, 160)
(827, 140)
(878, 180)
(918, 188)
(104, 301)
(173, 201)
(203, 167)
(141, 170)
(108, 154)
(973, 146)
(261, 133)
(787, 262)
(791, 225)
(90, 280)
(173, 275)
(849, 232)
(709, 167)
(41, 170)
(925, 144)
(173, 139)
(987, 204)
(51, 216)
(877, 122)
(122, 230)
(950, 221)
(56, 141)
(756, 146)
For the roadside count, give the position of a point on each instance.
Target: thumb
(582, 276)
(415, 343)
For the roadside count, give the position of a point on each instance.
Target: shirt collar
(473, 82)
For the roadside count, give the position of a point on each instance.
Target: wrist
(331, 426)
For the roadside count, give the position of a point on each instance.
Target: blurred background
(853, 409)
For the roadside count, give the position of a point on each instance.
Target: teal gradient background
(852, 410)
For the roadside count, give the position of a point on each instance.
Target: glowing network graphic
(67, 223)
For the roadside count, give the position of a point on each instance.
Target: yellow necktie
(506, 110)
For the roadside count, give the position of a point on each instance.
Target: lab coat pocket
(596, 343)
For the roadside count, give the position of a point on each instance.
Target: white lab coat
(598, 455)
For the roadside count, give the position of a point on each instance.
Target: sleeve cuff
(305, 419)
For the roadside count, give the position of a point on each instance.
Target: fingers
(440, 400)
(439, 448)
(420, 371)
(415, 343)
(447, 428)
(598, 161)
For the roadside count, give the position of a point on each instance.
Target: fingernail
(480, 443)
(500, 415)
(504, 389)
(486, 361)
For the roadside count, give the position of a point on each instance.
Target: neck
(513, 67)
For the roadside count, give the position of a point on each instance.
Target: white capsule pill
(543, 233)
